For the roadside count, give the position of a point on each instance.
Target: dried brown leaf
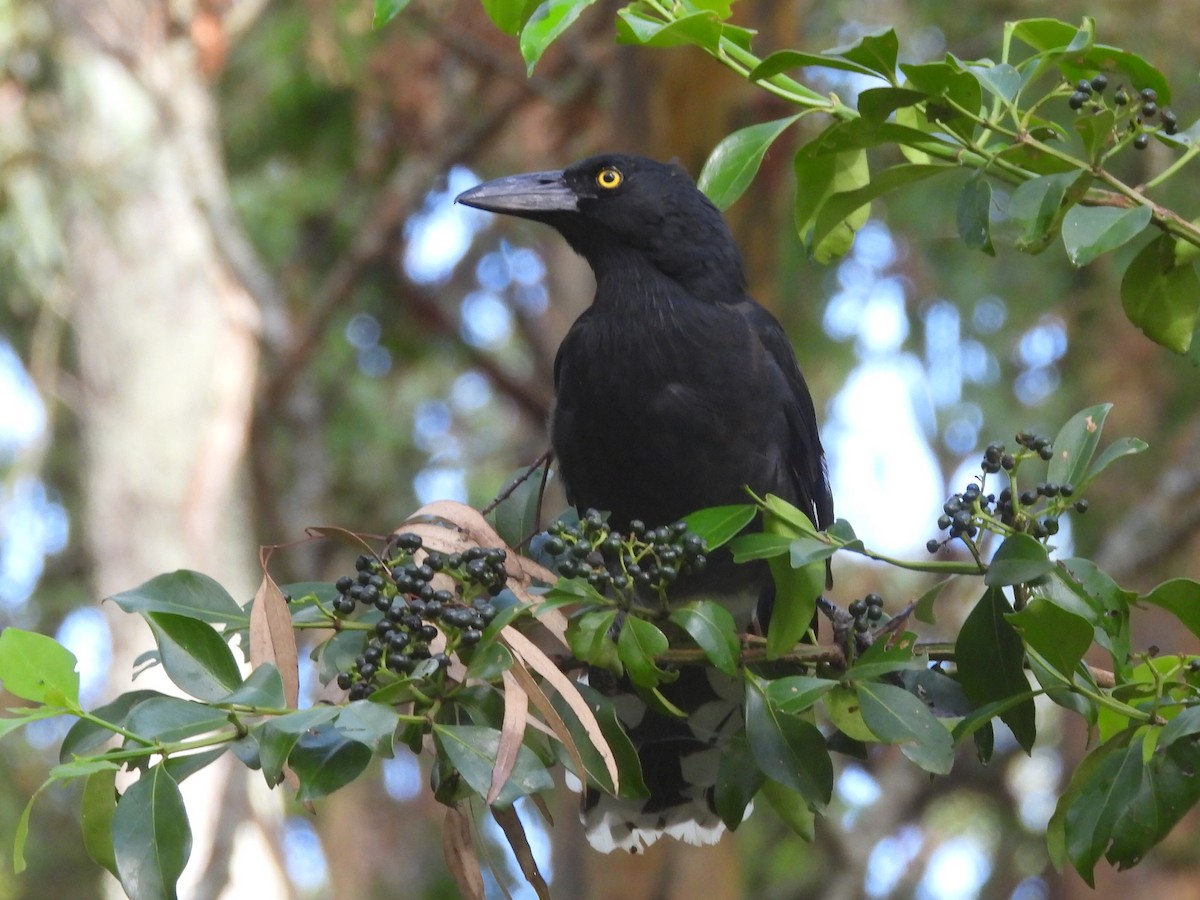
(553, 720)
(512, 733)
(459, 851)
(535, 659)
(510, 824)
(272, 638)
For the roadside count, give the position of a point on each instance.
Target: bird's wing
(806, 459)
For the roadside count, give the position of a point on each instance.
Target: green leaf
(151, 837)
(784, 60)
(325, 760)
(1161, 297)
(819, 175)
(1126, 446)
(787, 748)
(738, 780)
(805, 550)
(854, 206)
(720, 524)
(924, 606)
(276, 737)
(180, 767)
(1000, 80)
(97, 808)
(1088, 231)
(876, 104)
(639, 642)
(589, 637)
(629, 767)
(1075, 444)
(734, 162)
(1036, 207)
(1168, 790)
(1043, 34)
(1181, 598)
(85, 736)
(472, 750)
(262, 688)
(712, 627)
(38, 668)
(704, 29)
(183, 593)
(747, 547)
(796, 693)
(1060, 637)
(509, 15)
(791, 808)
(1084, 63)
(28, 714)
(1106, 789)
(796, 590)
(897, 717)
(1079, 586)
(876, 52)
(883, 657)
(1096, 131)
(1020, 559)
(516, 516)
(194, 656)
(369, 723)
(173, 719)
(949, 81)
(547, 22)
(974, 214)
(991, 659)
(386, 10)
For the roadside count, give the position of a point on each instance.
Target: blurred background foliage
(359, 347)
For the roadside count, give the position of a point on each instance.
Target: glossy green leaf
(38, 668)
(796, 693)
(276, 737)
(639, 642)
(736, 159)
(712, 627)
(819, 176)
(545, 25)
(1043, 33)
(1035, 207)
(1020, 559)
(720, 524)
(1134, 69)
(1060, 637)
(1181, 598)
(1126, 446)
(370, 723)
(325, 760)
(792, 808)
(924, 606)
(1106, 790)
(629, 768)
(1096, 130)
(1168, 790)
(181, 767)
(1089, 231)
(97, 808)
(974, 214)
(855, 205)
(183, 593)
(1076, 443)
(1160, 297)
(884, 657)
(738, 780)
(876, 104)
(702, 29)
(990, 659)
(509, 15)
(590, 639)
(876, 52)
(84, 736)
(151, 837)
(898, 717)
(747, 547)
(173, 719)
(516, 516)
(796, 589)
(785, 60)
(1000, 80)
(787, 748)
(953, 91)
(472, 750)
(1080, 586)
(194, 656)
(262, 688)
(386, 10)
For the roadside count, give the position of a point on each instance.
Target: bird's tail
(680, 758)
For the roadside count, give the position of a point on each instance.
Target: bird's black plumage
(675, 391)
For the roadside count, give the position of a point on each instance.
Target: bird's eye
(609, 178)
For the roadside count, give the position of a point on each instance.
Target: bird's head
(618, 211)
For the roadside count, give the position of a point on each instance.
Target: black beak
(523, 195)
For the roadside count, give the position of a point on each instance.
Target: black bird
(675, 391)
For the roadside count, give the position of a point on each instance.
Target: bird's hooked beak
(523, 195)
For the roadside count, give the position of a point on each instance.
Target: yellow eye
(608, 178)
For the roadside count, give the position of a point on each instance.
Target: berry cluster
(1142, 108)
(413, 612)
(1034, 511)
(866, 611)
(645, 559)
